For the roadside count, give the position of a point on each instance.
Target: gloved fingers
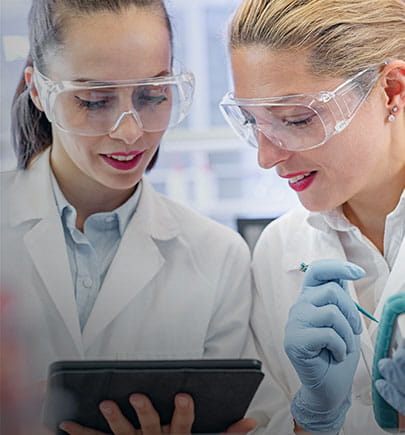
(329, 316)
(331, 293)
(393, 370)
(322, 271)
(308, 343)
(391, 395)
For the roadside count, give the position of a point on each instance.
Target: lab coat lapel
(45, 241)
(46, 245)
(137, 261)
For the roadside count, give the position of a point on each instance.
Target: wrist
(327, 422)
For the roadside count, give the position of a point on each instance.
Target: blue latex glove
(323, 344)
(392, 387)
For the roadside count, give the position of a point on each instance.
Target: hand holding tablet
(221, 390)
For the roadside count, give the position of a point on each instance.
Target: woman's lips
(123, 161)
(301, 181)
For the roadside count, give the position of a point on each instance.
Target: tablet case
(385, 415)
(221, 392)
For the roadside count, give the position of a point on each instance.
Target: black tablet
(221, 389)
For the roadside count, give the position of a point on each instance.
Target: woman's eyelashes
(90, 104)
(301, 121)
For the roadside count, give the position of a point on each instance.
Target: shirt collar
(400, 208)
(123, 213)
(334, 219)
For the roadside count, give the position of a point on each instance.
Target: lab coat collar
(327, 220)
(152, 210)
(310, 243)
(34, 187)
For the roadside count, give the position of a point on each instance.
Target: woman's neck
(369, 212)
(91, 201)
(86, 195)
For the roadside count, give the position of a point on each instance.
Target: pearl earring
(391, 116)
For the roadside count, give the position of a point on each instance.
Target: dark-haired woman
(104, 267)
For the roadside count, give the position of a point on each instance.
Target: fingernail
(137, 401)
(106, 408)
(182, 401)
(63, 426)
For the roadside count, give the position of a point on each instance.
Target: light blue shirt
(91, 252)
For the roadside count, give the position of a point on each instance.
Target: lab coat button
(87, 282)
(109, 219)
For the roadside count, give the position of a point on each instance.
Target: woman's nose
(269, 154)
(127, 128)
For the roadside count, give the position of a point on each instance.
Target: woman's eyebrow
(163, 73)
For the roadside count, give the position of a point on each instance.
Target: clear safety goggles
(94, 108)
(299, 122)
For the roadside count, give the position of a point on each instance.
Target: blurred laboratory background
(201, 163)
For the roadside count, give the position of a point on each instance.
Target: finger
(391, 395)
(148, 417)
(322, 271)
(331, 293)
(329, 316)
(393, 370)
(73, 428)
(310, 342)
(116, 420)
(183, 416)
(242, 426)
(305, 317)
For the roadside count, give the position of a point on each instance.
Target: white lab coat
(283, 245)
(179, 286)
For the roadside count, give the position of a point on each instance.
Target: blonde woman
(319, 89)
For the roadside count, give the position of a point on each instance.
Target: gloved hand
(323, 344)
(392, 387)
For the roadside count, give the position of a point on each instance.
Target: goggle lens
(292, 127)
(96, 111)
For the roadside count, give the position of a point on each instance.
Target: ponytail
(30, 129)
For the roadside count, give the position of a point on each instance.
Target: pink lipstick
(123, 161)
(300, 181)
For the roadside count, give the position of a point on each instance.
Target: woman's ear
(28, 75)
(394, 84)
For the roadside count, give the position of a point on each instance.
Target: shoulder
(7, 177)
(284, 229)
(202, 229)
(38, 168)
(204, 238)
(8, 180)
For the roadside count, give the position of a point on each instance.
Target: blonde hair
(341, 36)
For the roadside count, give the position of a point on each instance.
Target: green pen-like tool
(304, 267)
